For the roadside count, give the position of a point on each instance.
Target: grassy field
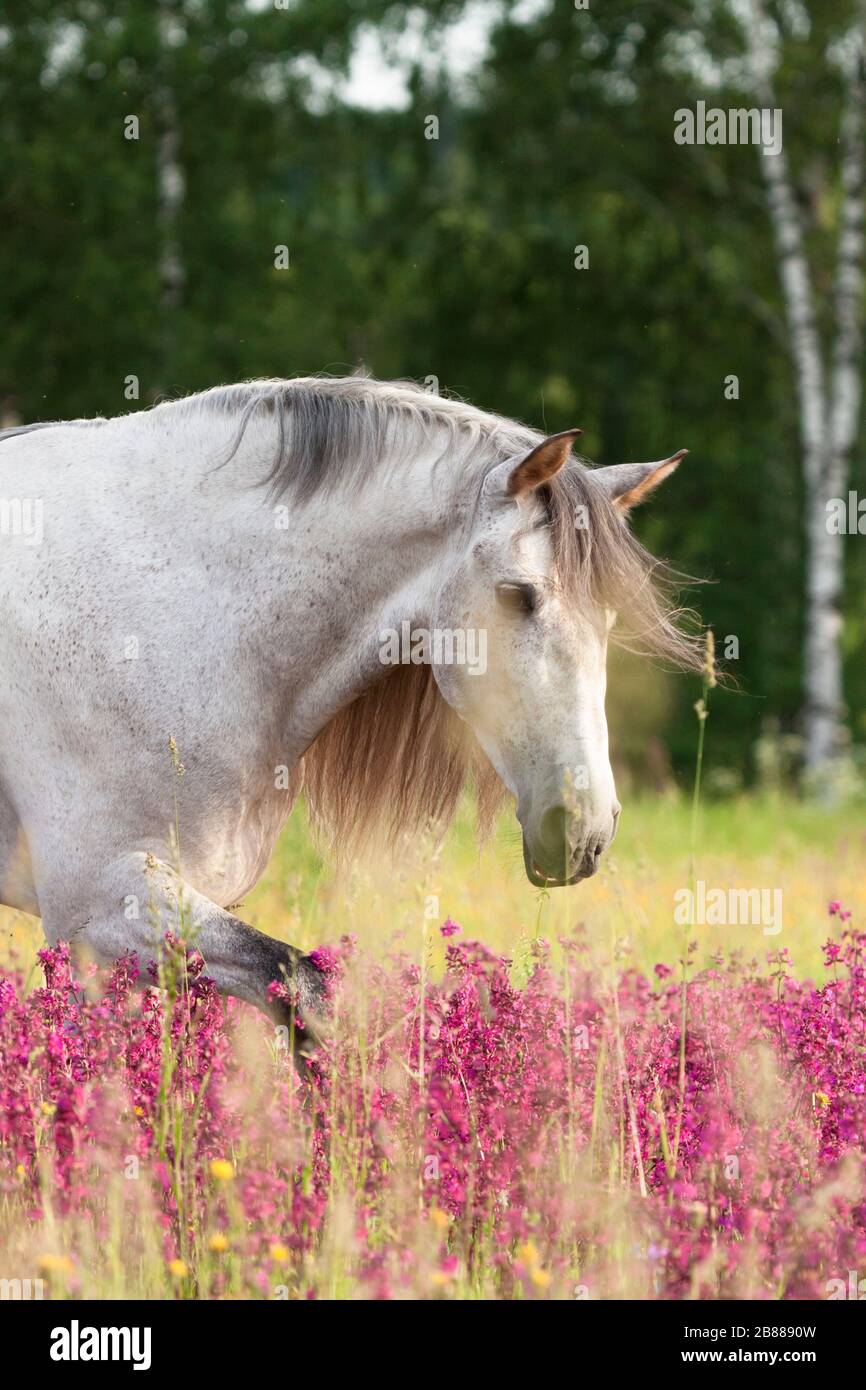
(811, 853)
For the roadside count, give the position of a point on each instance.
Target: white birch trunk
(170, 189)
(824, 695)
(829, 399)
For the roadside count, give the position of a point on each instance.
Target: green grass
(812, 854)
(809, 852)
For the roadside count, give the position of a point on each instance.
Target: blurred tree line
(451, 257)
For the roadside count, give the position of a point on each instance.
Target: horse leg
(139, 898)
(16, 875)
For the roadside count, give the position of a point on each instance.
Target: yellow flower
(280, 1253)
(218, 1243)
(139, 1110)
(55, 1264)
(177, 1269)
(48, 1107)
(222, 1169)
(440, 1218)
(822, 1098)
(21, 1170)
(528, 1253)
(439, 1278)
(540, 1278)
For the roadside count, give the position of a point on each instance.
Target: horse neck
(344, 566)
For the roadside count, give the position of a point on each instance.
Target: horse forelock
(600, 563)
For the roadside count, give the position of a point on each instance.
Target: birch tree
(828, 373)
(170, 182)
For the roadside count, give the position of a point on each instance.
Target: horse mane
(397, 757)
(396, 760)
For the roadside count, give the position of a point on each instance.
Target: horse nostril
(553, 829)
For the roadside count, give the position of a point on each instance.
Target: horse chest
(231, 850)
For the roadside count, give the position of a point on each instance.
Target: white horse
(228, 571)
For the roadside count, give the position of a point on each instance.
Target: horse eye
(516, 598)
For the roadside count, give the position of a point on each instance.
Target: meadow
(504, 1109)
(566, 1095)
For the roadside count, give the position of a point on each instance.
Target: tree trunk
(822, 673)
(829, 402)
(170, 193)
(825, 706)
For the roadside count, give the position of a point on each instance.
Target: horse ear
(541, 463)
(629, 484)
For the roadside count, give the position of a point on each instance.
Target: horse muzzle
(565, 850)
